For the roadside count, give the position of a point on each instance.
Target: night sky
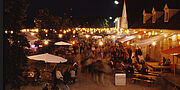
(82, 8)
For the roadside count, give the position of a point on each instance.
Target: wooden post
(174, 65)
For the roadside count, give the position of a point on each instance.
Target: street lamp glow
(110, 17)
(12, 32)
(116, 2)
(6, 31)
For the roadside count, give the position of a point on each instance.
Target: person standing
(59, 76)
(73, 76)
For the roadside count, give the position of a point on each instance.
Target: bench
(144, 80)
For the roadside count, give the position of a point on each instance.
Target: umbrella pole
(174, 65)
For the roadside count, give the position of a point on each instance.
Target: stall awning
(150, 40)
(175, 50)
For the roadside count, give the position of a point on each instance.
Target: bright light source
(74, 36)
(139, 36)
(100, 43)
(32, 46)
(73, 42)
(179, 42)
(149, 33)
(128, 43)
(46, 35)
(40, 45)
(6, 31)
(165, 35)
(32, 34)
(144, 31)
(60, 35)
(116, 2)
(110, 17)
(87, 36)
(156, 33)
(74, 32)
(64, 32)
(46, 42)
(154, 43)
(12, 32)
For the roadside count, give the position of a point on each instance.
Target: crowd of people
(87, 54)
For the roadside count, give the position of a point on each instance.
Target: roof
(172, 50)
(173, 23)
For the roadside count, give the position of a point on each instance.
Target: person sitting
(144, 69)
(164, 61)
(167, 63)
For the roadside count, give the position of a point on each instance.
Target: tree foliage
(15, 14)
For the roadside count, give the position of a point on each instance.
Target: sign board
(120, 79)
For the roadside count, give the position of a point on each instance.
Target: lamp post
(116, 2)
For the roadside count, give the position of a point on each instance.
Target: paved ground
(85, 82)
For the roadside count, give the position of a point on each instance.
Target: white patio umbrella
(62, 43)
(48, 58)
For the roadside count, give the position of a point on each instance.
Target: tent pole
(174, 65)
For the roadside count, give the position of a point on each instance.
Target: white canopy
(62, 43)
(150, 40)
(48, 58)
(127, 38)
(96, 37)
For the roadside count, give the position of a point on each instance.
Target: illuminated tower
(124, 22)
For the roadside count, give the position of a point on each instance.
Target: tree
(14, 55)
(15, 14)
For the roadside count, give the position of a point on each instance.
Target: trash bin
(120, 79)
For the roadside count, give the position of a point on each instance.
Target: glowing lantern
(12, 32)
(74, 32)
(6, 31)
(156, 33)
(46, 42)
(87, 36)
(73, 42)
(144, 31)
(64, 32)
(100, 43)
(154, 43)
(32, 34)
(149, 33)
(128, 43)
(60, 35)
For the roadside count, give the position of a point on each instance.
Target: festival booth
(45, 64)
(175, 52)
(151, 45)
